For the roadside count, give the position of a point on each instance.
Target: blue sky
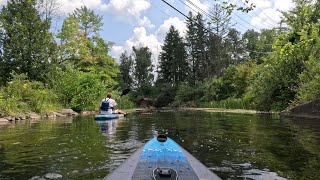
(130, 23)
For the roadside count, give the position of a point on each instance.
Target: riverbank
(5, 119)
(239, 111)
(308, 110)
(48, 115)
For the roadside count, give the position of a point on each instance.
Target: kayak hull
(102, 117)
(167, 155)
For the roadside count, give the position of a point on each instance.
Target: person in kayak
(108, 106)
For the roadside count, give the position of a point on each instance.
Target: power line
(204, 27)
(211, 16)
(266, 15)
(270, 25)
(235, 13)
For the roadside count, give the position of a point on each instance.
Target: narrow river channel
(234, 146)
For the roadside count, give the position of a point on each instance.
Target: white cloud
(268, 16)
(140, 38)
(262, 4)
(154, 41)
(122, 10)
(68, 6)
(3, 2)
(172, 21)
(283, 5)
(145, 22)
(130, 11)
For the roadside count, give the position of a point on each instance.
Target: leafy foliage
(21, 95)
(78, 90)
(126, 70)
(27, 45)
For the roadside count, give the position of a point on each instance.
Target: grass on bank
(231, 103)
(21, 96)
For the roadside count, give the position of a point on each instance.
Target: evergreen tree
(234, 46)
(143, 67)
(201, 48)
(191, 49)
(27, 45)
(126, 70)
(173, 59)
(196, 48)
(217, 54)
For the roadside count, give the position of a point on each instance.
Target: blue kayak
(162, 158)
(101, 117)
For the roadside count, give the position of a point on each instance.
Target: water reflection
(110, 126)
(234, 146)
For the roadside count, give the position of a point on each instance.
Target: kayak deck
(101, 117)
(166, 155)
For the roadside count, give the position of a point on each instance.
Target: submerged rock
(53, 176)
(68, 112)
(4, 121)
(36, 178)
(308, 110)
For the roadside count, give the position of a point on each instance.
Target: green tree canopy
(81, 45)
(143, 68)
(27, 46)
(173, 59)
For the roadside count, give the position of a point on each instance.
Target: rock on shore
(308, 110)
(34, 116)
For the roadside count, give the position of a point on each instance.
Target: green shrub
(87, 92)
(125, 103)
(21, 95)
(78, 90)
(187, 96)
(165, 95)
(309, 88)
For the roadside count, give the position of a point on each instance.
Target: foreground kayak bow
(162, 158)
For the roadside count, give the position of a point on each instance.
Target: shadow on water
(235, 146)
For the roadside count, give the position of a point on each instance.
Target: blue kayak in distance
(161, 158)
(101, 117)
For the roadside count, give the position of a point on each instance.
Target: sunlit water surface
(234, 146)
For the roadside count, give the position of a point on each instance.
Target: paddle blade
(124, 92)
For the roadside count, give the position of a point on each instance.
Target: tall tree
(250, 39)
(173, 59)
(234, 46)
(196, 48)
(90, 23)
(126, 70)
(48, 8)
(191, 49)
(27, 45)
(82, 46)
(219, 26)
(143, 67)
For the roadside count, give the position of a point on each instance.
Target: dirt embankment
(307, 110)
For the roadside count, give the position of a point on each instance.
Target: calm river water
(234, 146)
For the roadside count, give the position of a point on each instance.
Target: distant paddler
(109, 106)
